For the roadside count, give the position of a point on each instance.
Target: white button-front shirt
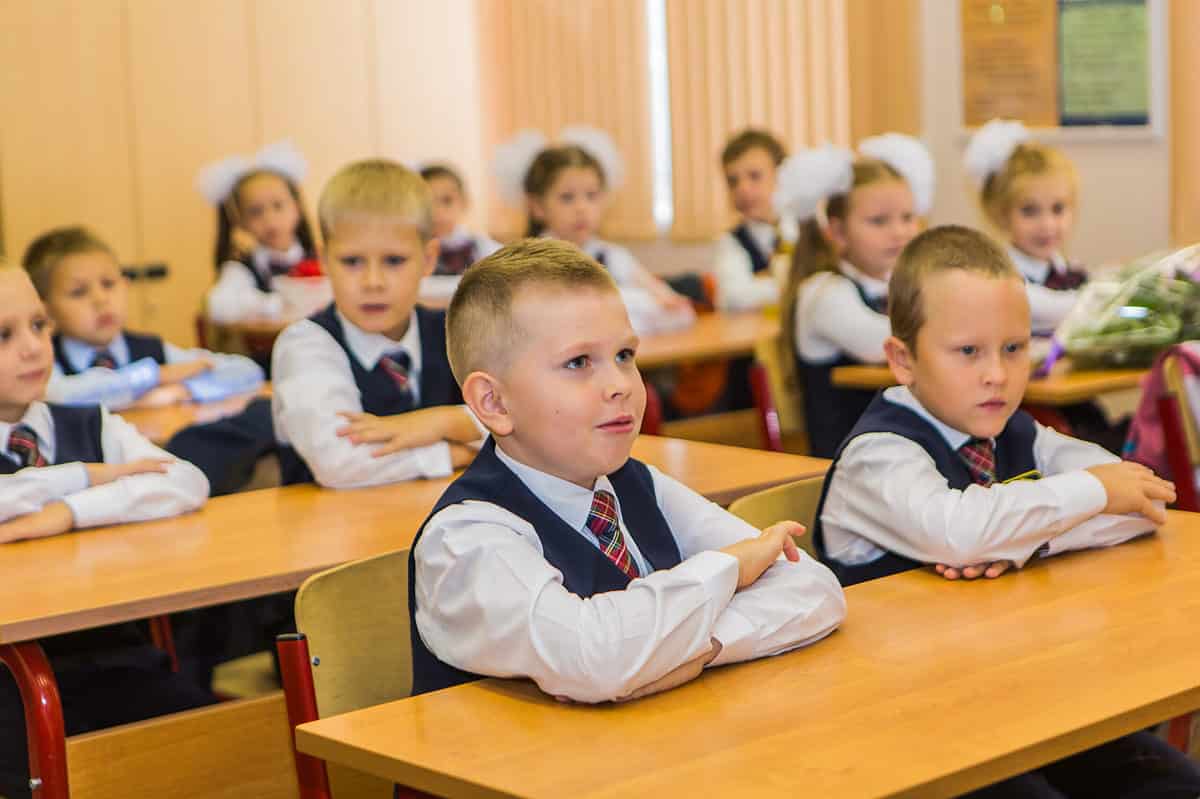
(1047, 307)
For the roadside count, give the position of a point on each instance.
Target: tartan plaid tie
(396, 364)
(1064, 280)
(602, 523)
(980, 456)
(22, 443)
(104, 360)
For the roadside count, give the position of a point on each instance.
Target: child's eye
(395, 260)
(41, 324)
(350, 261)
(1015, 347)
(5, 333)
(626, 355)
(968, 350)
(108, 283)
(578, 362)
(1059, 208)
(77, 292)
(1029, 210)
(878, 220)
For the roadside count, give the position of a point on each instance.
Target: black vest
(379, 393)
(140, 346)
(585, 569)
(76, 436)
(758, 259)
(1014, 458)
(830, 411)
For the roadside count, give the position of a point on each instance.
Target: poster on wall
(1056, 63)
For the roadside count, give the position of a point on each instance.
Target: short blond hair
(481, 334)
(1002, 189)
(376, 187)
(939, 249)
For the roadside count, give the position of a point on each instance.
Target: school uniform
(742, 263)
(1053, 288)
(841, 320)
(110, 675)
(906, 489)
(117, 375)
(508, 578)
(461, 249)
(245, 289)
(326, 365)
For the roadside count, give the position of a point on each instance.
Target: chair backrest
(355, 617)
(784, 382)
(796, 501)
(1173, 376)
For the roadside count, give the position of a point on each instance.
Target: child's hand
(1134, 488)
(409, 430)
(178, 372)
(101, 473)
(681, 674)
(161, 396)
(242, 241)
(989, 570)
(755, 555)
(51, 520)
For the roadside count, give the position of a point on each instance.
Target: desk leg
(43, 718)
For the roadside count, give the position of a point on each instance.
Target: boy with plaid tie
(556, 556)
(363, 393)
(946, 469)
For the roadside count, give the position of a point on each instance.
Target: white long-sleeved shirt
(313, 384)
(119, 388)
(738, 288)
(235, 297)
(489, 602)
(130, 499)
(1047, 307)
(832, 320)
(887, 495)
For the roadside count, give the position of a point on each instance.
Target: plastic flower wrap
(1126, 322)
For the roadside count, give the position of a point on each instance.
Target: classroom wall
(1124, 185)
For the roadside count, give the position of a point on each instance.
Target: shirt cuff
(738, 637)
(1080, 496)
(141, 374)
(434, 460)
(94, 507)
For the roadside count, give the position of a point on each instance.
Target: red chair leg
(768, 414)
(162, 637)
(295, 669)
(1182, 469)
(44, 727)
(1179, 733)
(652, 418)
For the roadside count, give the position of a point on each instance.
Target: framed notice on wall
(1060, 63)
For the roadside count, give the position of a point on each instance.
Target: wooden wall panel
(885, 67)
(1184, 27)
(193, 104)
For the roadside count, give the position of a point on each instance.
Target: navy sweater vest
(76, 436)
(758, 259)
(1014, 458)
(140, 346)
(830, 411)
(379, 393)
(586, 571)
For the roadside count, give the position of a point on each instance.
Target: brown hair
(228, 210)
(435, 171)
(376, 187)
(481, 334)
(48, 250)
(1002, 188)
(939, 249)
(547, 166)
(749, 139)
(814, 251)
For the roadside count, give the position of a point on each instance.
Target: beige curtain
(1184, 117)
(549, 63)
(778, 64)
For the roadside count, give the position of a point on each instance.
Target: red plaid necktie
(22, 443)
(1064, 279)
(602, 523)
(980, 456)
(397, 364)
(104, 360)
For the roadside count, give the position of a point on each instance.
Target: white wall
(1124, 191)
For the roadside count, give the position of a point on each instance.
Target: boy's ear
(484, 395)
(901, 360)
(433, 248)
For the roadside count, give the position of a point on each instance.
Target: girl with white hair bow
(857, 213)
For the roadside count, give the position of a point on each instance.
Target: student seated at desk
(557, 557)
(65, 468)
(945, 469)
(363, 393)
(98, 361)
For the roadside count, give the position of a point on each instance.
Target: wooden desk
(1065, 388)
(160, 424)
(715, 335)
(931, 688)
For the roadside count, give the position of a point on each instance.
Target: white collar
(1035, 270)
(570, 502)
(900, 395)
(80, 354)
(37, 418)
(874, 287)
(368, 348)
(264, 255)
(764, 232)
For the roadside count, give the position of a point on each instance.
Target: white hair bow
(992, 146)
(911, 158)
(809, 177)
(216, 181)
(512, 159)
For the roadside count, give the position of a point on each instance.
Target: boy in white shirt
(363, 393)
(557, 557)
(946, 469)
